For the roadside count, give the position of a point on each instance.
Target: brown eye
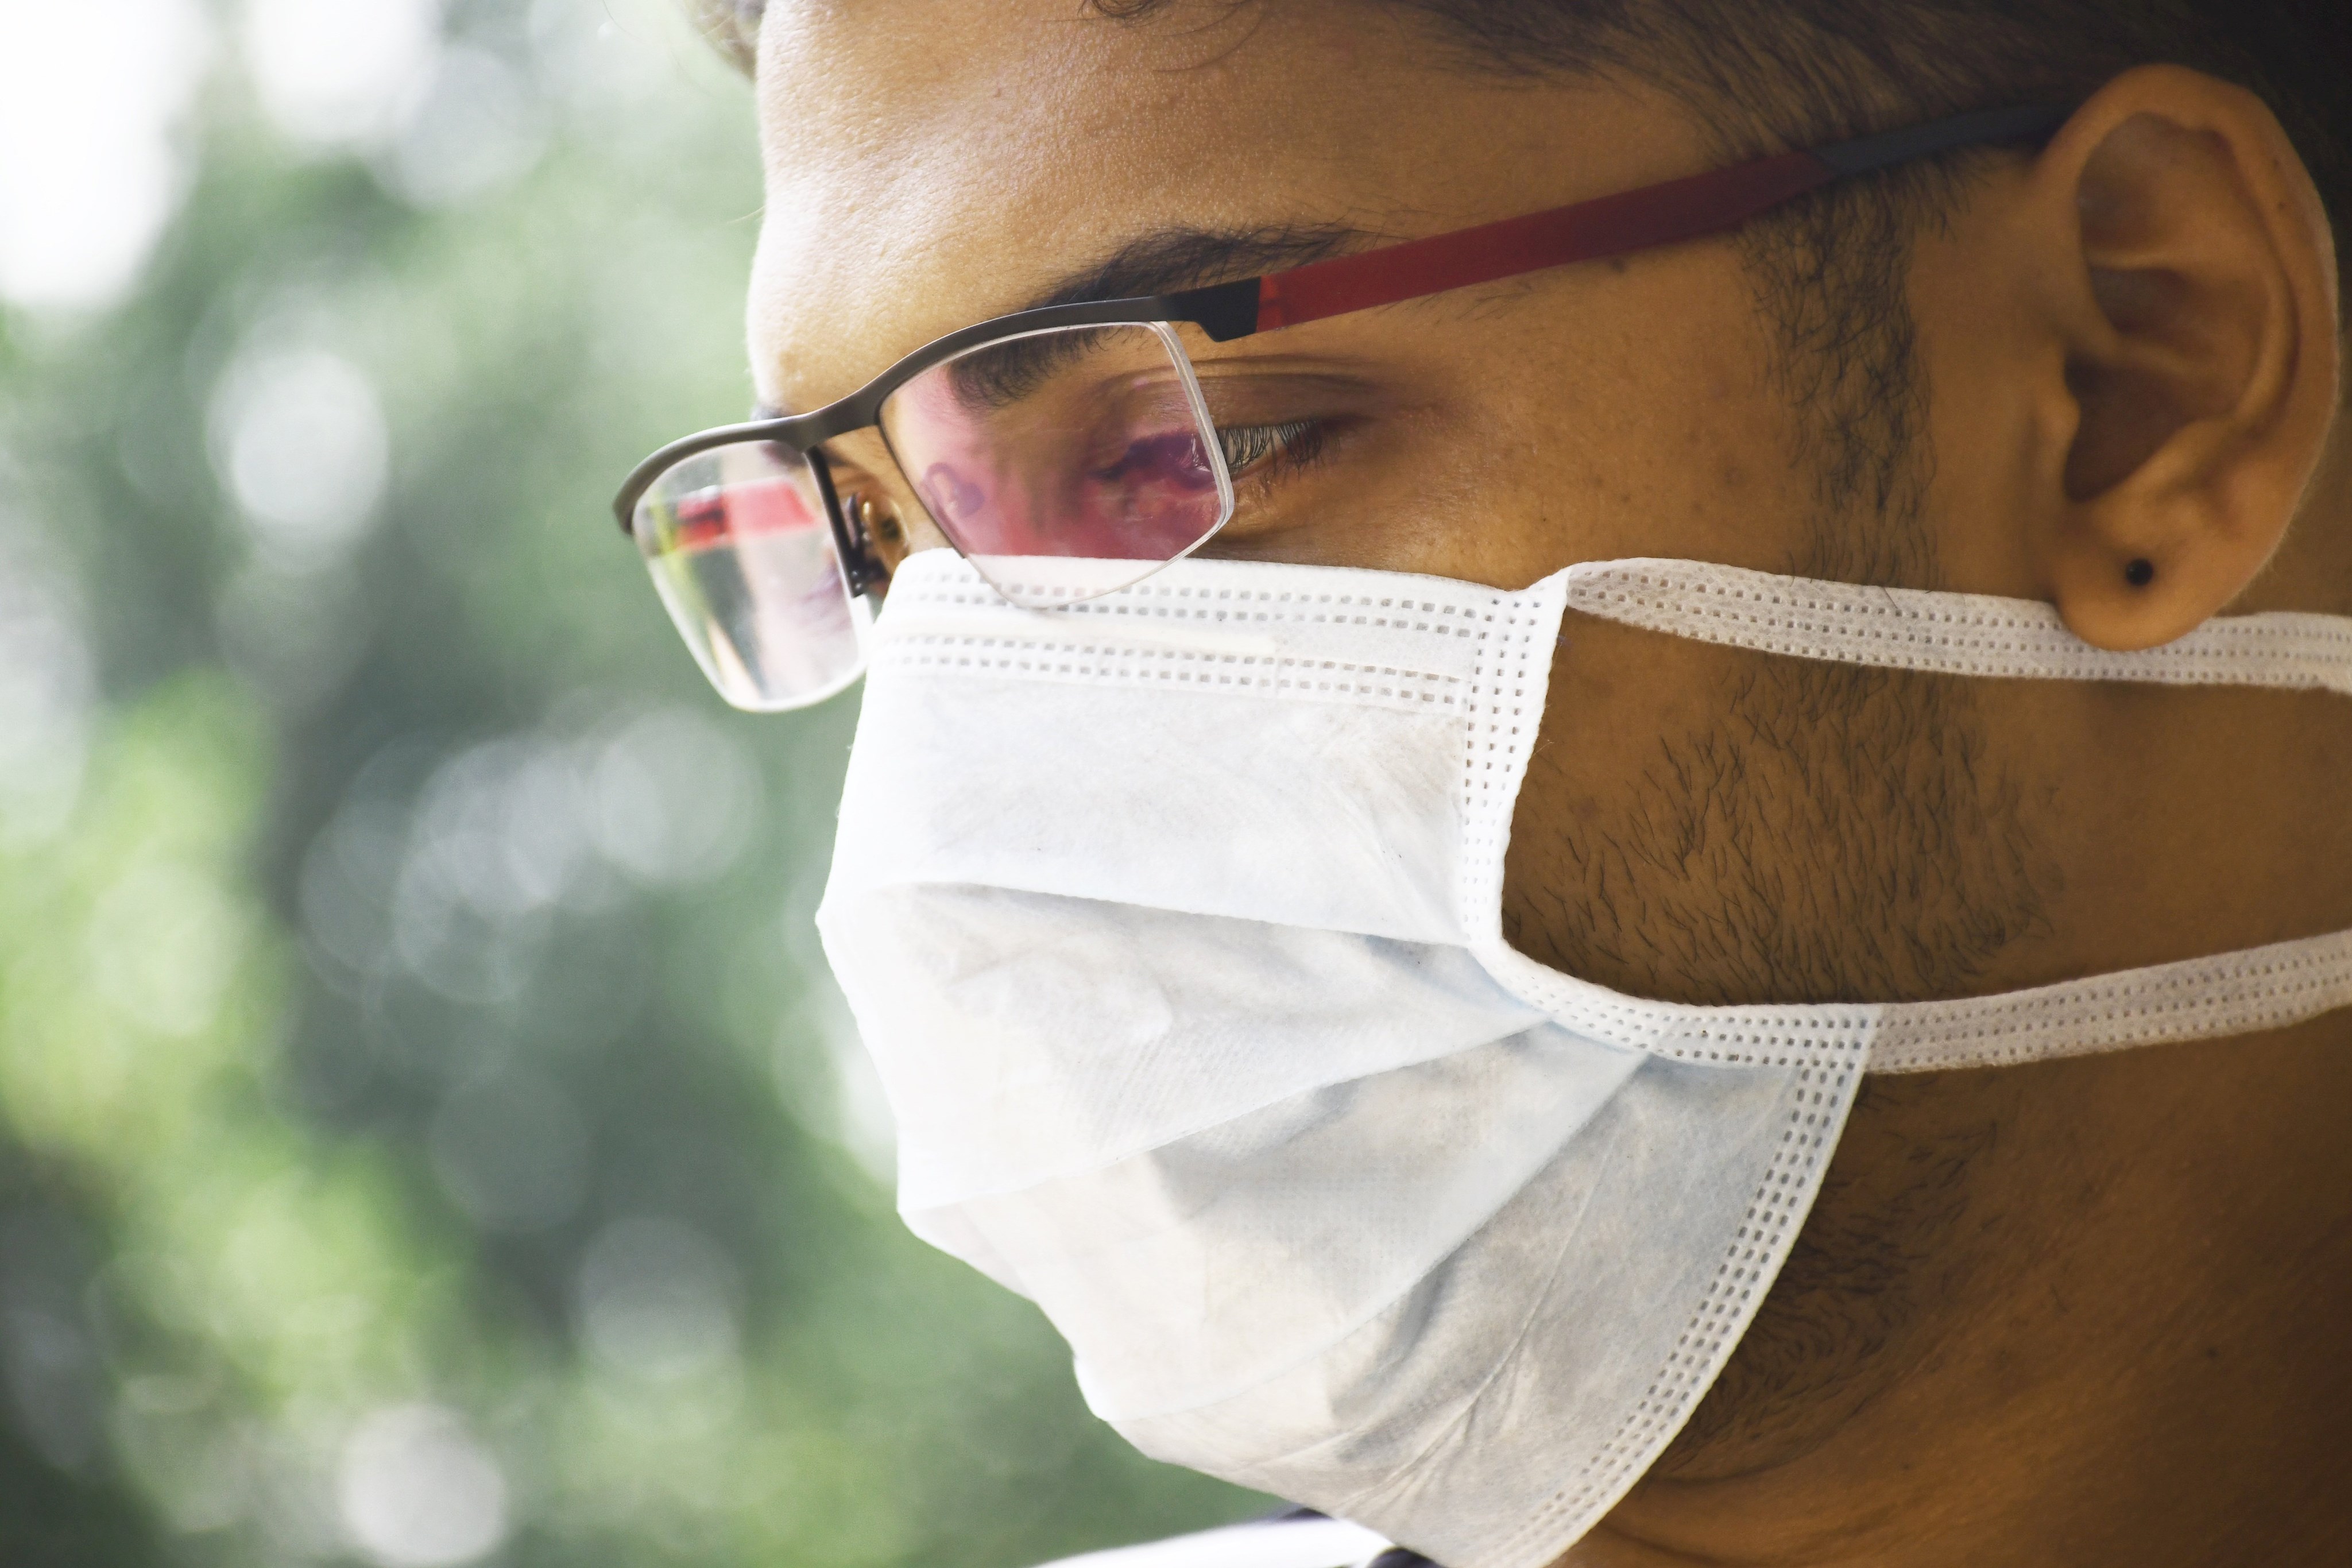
(879, 523)
(876, 522)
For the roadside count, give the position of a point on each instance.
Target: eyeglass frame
(1691, 207)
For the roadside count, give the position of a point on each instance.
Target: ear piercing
(2140, 572)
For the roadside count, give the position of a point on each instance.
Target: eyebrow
(1167, 260)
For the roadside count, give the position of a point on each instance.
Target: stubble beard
(1834, 834)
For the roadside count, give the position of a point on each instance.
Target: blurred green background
(427, 1135)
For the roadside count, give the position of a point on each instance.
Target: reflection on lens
(1063, 463)
(743, 558)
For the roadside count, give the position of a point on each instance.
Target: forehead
(931, 163)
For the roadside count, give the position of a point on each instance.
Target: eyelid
(1299, 380)
(1249, 393)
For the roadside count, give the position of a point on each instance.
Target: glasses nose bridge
(855, 469)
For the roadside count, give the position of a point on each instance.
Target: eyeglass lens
(743, 555)
(1063, 463)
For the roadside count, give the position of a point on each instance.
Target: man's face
(1697, 824)
(931, 165)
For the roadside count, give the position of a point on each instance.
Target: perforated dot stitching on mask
(1775, 602)
(1902, 630)
(1751, 1040)
(1833, 1049)
(911, 626)
(1493, 758)
(2198, 1000)
(1729, 1302)
(1144, 598)
(1270, 676)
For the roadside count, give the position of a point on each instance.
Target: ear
(2195, 301)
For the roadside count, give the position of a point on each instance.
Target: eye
(881, 523)
(1251, 446)
(876, 525)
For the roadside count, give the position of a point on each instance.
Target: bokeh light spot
(96, 88)
(417, 1492)
(657, 1300)
(164, 942)
(474, 129)
(46, 691)
(340, 73)
(675, 797)
(302, 444)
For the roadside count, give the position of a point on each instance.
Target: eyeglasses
(1066, 452)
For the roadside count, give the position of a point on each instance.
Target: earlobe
(2200, 351)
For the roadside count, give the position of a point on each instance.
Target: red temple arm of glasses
(1682, 209)
(1589, 231)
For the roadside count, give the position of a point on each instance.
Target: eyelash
(1250, 447)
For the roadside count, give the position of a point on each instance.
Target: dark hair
(1769, 74)
(1764, 75)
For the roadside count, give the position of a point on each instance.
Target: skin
(2083, 1311)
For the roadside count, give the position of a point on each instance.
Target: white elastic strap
(2200, 999)
(1949, 633)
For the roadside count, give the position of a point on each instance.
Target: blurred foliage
(429, 1135)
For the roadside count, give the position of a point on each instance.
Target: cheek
(1646, 424)
(1579, 885)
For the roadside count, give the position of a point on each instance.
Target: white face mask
(1173, 923)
